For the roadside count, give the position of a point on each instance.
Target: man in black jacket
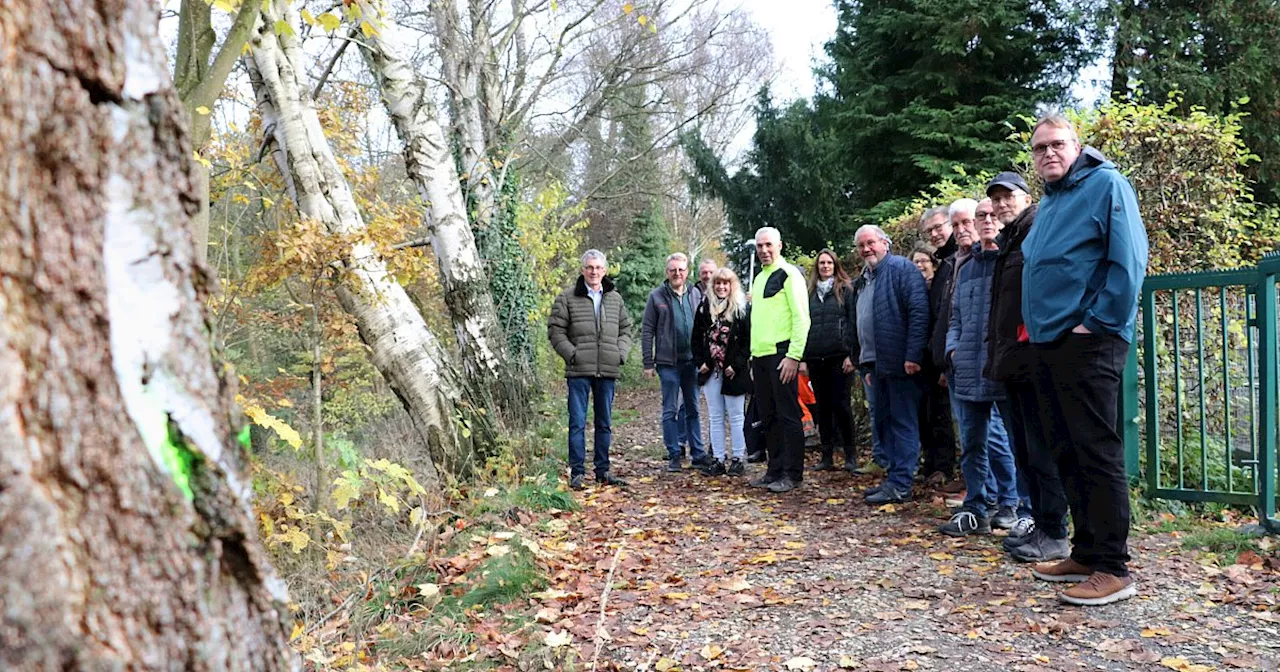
(1042, 536)
(937, 433)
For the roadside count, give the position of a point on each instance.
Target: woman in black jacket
(828, 354)
(722, 352)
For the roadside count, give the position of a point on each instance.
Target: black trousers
(1078, 385)
(937, 432)
(779, 409)
(831, 389)
(1037, 464)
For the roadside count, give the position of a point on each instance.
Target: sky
(798, 28)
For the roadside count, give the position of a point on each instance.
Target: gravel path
(715, 575)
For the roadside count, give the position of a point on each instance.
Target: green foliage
(919, 86)
(1221, 55)
(1223, 543)
(550, 234)
(510, 276)
(642, 263)
(794, 178)
(902, 220)
(1188, 168)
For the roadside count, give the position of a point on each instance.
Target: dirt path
(715, 575)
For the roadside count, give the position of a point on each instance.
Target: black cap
(1009, 180)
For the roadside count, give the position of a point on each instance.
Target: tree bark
(429, 163)
(417, 367)
(127, 539)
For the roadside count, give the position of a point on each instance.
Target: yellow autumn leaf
(766, 558)
(665, 665)
(711, 652)
(225, 5)
(368, 29)
(297, 631)
(627, 8)
(202, 111)
(675, 596)
(887, 508)
(558, 638)
(942, 555)
(329, 21)
(642, 19)
(306, 16)
(1156, 632)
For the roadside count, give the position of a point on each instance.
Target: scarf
(824, 287)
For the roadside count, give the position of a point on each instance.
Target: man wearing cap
(1040, 534)
(1084, 262)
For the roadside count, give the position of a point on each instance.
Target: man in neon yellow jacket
(779, 327)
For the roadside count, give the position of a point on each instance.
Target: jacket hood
(1089, 161)
(580, 288)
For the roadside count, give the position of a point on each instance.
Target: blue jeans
(986, 458)
(896, 419)
(678, 380)
(682, 418)
(601, 390)
(877, 447)
(718, 407)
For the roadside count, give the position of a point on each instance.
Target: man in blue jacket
(893, 329)
(1085, 260)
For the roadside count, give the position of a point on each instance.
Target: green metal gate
(1206, 388)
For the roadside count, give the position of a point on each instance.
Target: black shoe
(850, 464)
(576, 482)
(673, 466)
(684, 452)
(715, 468)
(965, 523)
(762, 482)
(757, 457)
(609, 479)
(873, 489)
(1004, 518)
(703, 462)
(887, 495)
(825, 464)
(736, 467)
(782, 485)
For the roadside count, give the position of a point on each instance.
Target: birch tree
(430, 164)
(409, 356)
(199, 74)
(126, 535)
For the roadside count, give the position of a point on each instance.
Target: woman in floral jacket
(722, 352)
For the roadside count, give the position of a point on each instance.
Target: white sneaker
(1022, 527)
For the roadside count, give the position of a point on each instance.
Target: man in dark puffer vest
(1010, 361)
(590, 329)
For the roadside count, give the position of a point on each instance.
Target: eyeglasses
(1043, 148)
(986, 215)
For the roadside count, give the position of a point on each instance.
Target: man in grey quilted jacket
(590, 329)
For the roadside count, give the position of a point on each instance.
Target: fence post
(1129, 413)
(1267, 352)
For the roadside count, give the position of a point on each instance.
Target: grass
(1225, 543)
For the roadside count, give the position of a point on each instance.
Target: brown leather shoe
(1100, 588)
(1063, 571)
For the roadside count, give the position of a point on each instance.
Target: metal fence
(1199, 400)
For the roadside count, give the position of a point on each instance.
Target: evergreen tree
(793, 178)
(1215, 53)
(917, 86)
(643, 260)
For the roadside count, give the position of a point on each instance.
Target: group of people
(1010, 321)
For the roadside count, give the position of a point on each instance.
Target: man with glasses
(1084, 263)
(666, 345)
(937, 433)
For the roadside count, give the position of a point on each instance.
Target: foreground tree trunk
(127, 540)
(409, 356)
(429, 163)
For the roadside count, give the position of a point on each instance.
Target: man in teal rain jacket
(1085, 260)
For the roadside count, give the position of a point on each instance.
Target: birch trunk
(127, 540)
(429, 163)
(409, 356)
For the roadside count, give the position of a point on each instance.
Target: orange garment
(806, 399)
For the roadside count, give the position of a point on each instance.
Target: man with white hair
(779, 331)
(666, 344)
(590, 329)
(893, 324)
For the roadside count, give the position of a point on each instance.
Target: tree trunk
(430, 165)
(127, 539)
(417, 367)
